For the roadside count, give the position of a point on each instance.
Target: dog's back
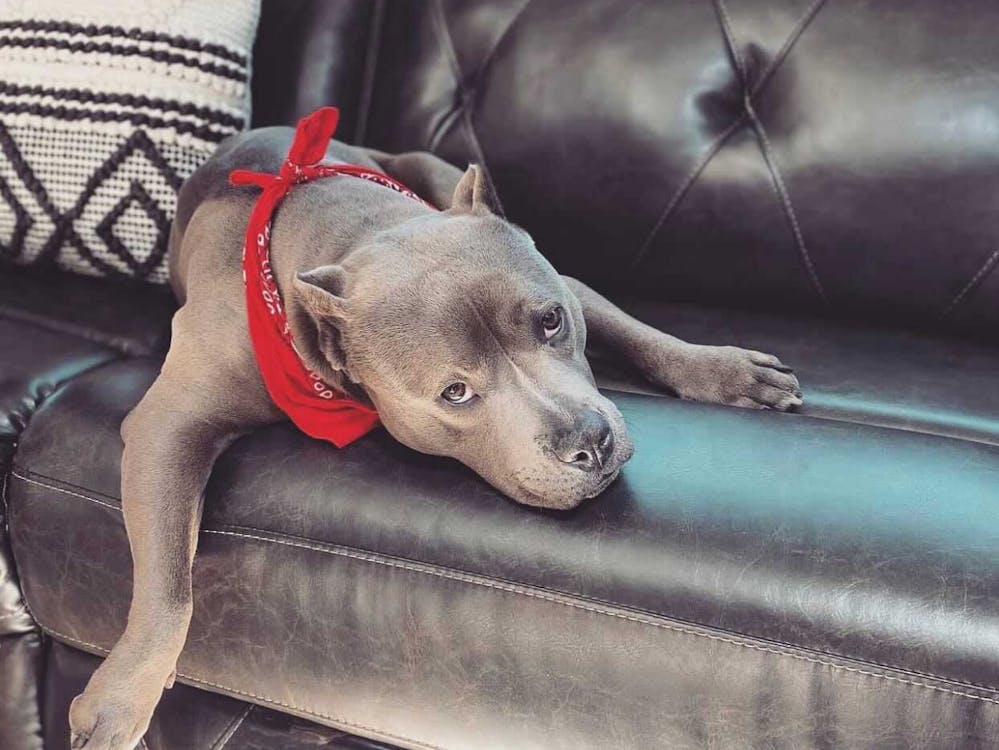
(258, 150)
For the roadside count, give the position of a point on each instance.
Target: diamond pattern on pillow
(105, 108)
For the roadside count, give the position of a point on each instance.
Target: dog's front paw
(727, 375)
(113, 713)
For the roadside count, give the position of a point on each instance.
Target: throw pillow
(106, 106)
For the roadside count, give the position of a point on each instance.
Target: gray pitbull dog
(451, 323)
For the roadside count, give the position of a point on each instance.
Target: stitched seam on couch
(342, 722)
(991, 263)
(230, 730)
(466, 106)
(701, 164)
(591, 605)
(262, 699)
(769, 155)
(94, 648)
(380, 733)
(4, 487)
(5, 484)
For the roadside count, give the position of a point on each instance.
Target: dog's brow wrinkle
(489, 329)
(529, 383)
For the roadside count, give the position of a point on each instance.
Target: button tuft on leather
(719, 102)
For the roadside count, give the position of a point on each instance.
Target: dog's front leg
(717, 374)
(172, 438)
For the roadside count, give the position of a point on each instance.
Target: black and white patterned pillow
(106, 106)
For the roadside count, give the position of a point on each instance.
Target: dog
(445, 318)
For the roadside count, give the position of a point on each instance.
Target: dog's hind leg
(193, 411)
(717, 374)
(432, 178)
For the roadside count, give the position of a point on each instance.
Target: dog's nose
(589, 444)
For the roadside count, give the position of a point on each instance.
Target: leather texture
(128, 318)
(837, 157)
(21, 682)
(744, 559)
(311, 53)
(189, 718)
(34, 362)
(808, 177)
(873, 375)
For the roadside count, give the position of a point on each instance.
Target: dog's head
(471, 345)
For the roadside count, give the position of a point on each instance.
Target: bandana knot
(291, 172)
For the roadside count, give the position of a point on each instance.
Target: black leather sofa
(816, 179)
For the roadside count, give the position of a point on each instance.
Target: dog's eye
(457, 393)
(552, 322)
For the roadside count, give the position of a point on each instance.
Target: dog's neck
(322, 223)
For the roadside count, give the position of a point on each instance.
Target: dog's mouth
(605, 481)
(567, 502)
(563, 487)
(559, 501)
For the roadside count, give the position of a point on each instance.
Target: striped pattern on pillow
(105, 108)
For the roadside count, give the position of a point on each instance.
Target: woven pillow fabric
(106, 106)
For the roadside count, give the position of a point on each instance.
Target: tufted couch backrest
(833, 156)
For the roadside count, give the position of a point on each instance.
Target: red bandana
(315, 408)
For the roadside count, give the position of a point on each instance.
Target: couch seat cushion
(876, 376)
(746, 565)
(129, 318)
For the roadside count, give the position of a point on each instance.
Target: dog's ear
(321, 293)
(475, 193)
(321, 289)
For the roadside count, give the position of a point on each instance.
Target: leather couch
(817, 179)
